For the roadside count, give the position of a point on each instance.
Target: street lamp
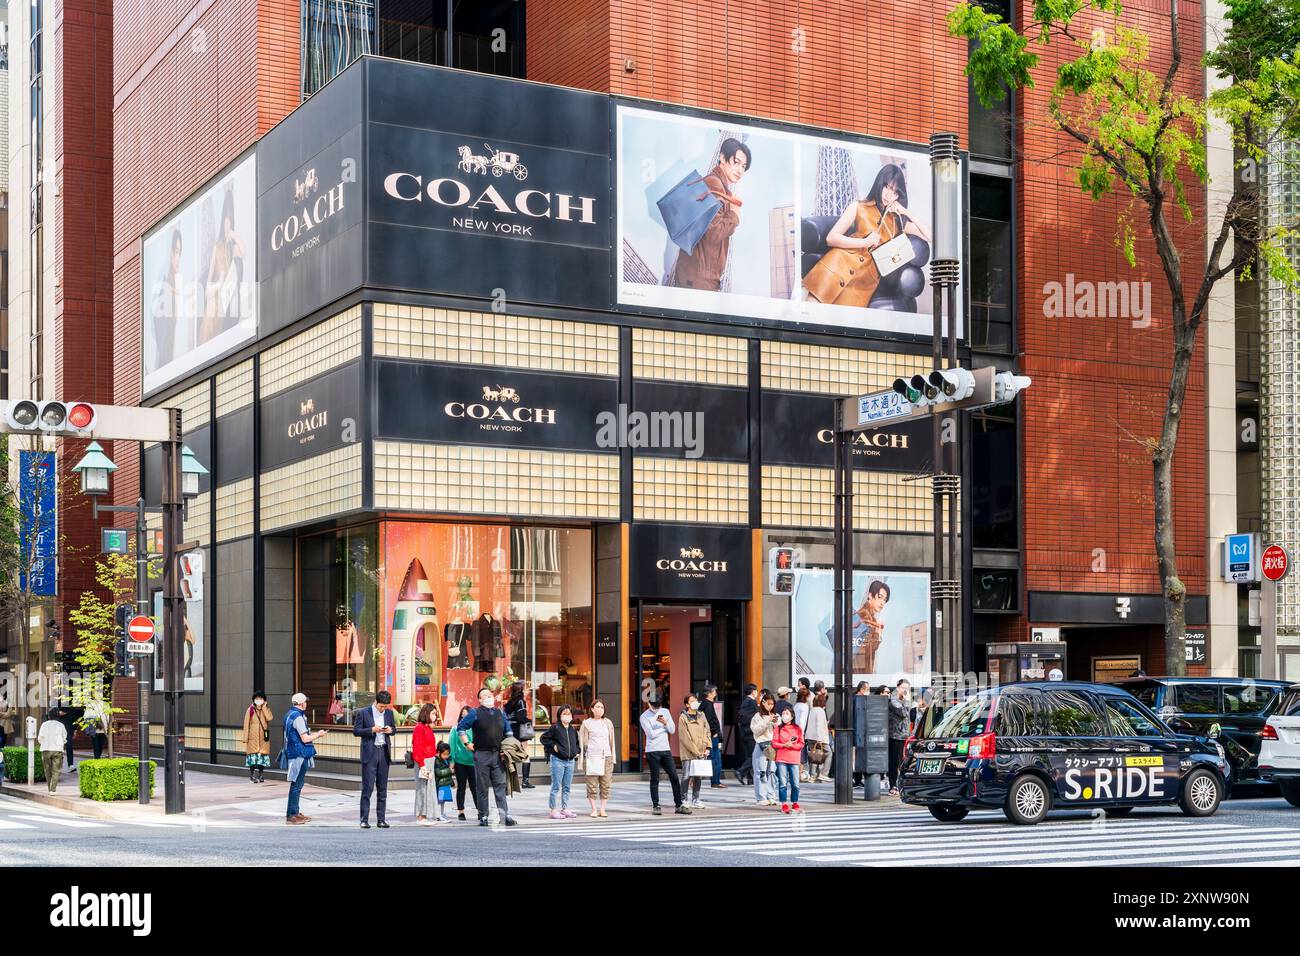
(191, 469)
(94, 469)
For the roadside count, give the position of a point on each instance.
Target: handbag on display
(688, 210)
(893, 255)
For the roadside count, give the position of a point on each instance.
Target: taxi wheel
(1118, 811)
(947, 813)
(1028, 800)
(1291, 793)
(1201, 794)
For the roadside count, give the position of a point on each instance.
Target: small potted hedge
(116, 778)
(15, 765)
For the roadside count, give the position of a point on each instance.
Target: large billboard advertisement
(200, 278)
(891, 626)
(726, 217)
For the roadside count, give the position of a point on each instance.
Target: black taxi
(1030, 747)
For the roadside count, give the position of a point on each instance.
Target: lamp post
(945, 273)
(180, 470)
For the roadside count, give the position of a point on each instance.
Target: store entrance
(681, 648)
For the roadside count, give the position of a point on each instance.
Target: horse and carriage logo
(307, 407)
(502, 393)
(302, 188)
(692, 553)
(498, 161)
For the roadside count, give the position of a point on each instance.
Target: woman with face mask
(561, 746)
(596, 735)
(787, 741)
(694, 743)
(762, 725)
(257, 738)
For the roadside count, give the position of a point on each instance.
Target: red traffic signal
(52, 417)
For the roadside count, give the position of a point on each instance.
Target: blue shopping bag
(688, 210)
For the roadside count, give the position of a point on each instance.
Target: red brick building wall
(80, 312)
(195, 83)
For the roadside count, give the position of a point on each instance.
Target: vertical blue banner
(38, 522)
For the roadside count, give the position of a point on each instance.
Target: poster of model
(891, 625)
(728, 218)
(191, 584)
(200, 278)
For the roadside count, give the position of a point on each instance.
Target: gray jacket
(899, 719)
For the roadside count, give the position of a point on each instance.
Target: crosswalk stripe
(801, 844)
(1081, 854)
(58, 821)
(11, 825)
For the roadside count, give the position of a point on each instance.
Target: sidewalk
(221, 800)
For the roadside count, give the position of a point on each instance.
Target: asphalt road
(1245, 832)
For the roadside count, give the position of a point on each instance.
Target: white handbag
(699, 767)
(893, 255)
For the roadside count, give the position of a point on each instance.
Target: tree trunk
(1171, 585)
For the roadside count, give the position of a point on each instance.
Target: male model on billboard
(703, 268)
(868, 637)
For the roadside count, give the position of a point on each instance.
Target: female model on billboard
(847, 274)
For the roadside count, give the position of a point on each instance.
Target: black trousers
(661, 761)
(490, 775)
(895, 761)
(746, 752)
(374, 775)
(97, 742)
(465, 781)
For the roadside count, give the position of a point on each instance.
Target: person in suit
(375, 726)
(703, 268)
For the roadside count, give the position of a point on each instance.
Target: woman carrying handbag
(596, 737)
(257, 738)
(694, 744)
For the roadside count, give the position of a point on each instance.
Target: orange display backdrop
(436, 576)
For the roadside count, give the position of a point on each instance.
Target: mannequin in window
(487, 642)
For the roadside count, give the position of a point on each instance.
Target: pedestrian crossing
(911, 837)
(17, 815)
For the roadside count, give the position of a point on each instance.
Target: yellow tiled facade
(799, 367)
(334, 480)
(235, 388)
(488, 338)
(800, 497)
(689, 357)
(501, 481)
(235, 510)
(674, 489)
(332, 343)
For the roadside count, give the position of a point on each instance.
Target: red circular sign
(140, 628)
(1274, 562)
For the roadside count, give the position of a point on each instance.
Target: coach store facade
(478, 441)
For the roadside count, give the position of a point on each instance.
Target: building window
(486, 36)
(432, 612)
(995, 498)
(990, 127)
(992, 261)
(334, 33)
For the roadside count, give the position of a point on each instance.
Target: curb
(78, 804)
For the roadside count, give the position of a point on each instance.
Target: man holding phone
(375, 726)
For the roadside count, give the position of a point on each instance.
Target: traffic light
(76, 419)
(1006, 385)
(916, 390)
(121, 660)
(952, 384)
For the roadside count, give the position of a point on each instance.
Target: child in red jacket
(787, 741)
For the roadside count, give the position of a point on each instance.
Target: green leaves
(998, 57)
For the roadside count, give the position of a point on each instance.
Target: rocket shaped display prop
(415, 631)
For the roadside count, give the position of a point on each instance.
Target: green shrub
(15, 759)
(115, 779)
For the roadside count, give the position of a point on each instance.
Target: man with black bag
(744, 714)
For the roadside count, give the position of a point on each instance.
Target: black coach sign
(492, 188)
(798, 430)
(481, 405)
(690, 562)
(312, 418)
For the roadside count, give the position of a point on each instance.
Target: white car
(1279, 752)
